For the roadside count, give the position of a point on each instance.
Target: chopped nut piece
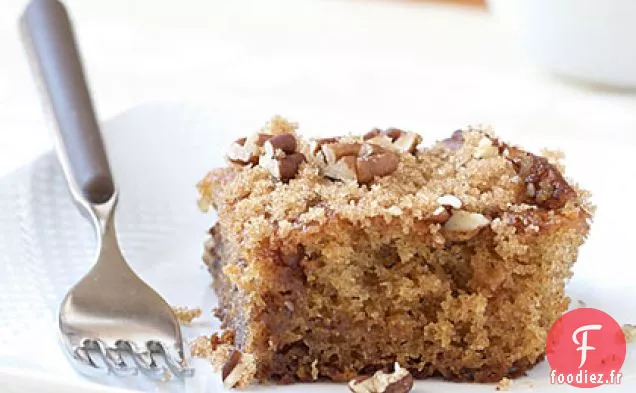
(372, 134)
(545, 186)
(240, 153)
(407, 142)
(399, 381)
(395, 139)
(381, 140)
(316, 144)
(257, 139)
(238, 370)
(463, 221)
(485, 148)
(450, 200)
(375, 162)
(246, 150)
(334, 151)
(210, 243)
(484, 142)
(394, 133)
(361, 162)
(463, 225)
(229, 369)
(369, 149)
(343, 169)
(185, 315)
(290, 165)
(283, 168)
(283, 142)
(272, 164)
(314, 369)
(440, 215)
(530, 190)
(289, 305)
(395, 211)
(455, 142)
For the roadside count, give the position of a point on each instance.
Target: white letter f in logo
(584, 347)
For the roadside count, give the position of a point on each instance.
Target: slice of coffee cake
(342, 256)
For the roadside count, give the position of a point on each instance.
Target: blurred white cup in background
(590, 40)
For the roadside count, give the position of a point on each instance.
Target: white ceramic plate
(158, 152)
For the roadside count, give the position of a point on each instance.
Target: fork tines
(126, 358)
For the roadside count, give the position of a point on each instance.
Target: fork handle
(50, 43)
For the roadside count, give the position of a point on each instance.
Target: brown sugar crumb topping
(543, 183)
(472, 171)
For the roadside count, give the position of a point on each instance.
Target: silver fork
(111, 321)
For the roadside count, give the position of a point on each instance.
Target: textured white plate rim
(26, 381)
(152, 127)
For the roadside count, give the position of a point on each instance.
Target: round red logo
(585, 348)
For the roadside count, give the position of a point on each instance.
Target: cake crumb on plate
(237, 369)
(629, 331)
(186, 315)
(504, 384)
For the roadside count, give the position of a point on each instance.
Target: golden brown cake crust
(452, 263)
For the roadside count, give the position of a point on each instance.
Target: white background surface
(337, 66)
(405, 63)
(583, 39)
